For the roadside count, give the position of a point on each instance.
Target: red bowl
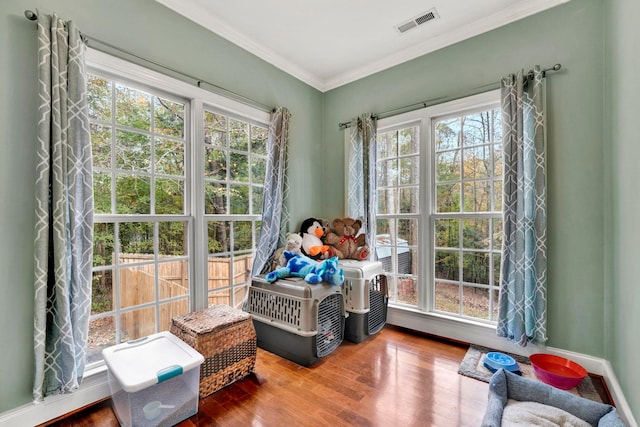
(557, 371)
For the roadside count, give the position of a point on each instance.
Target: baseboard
(93, 389)
(485, 335)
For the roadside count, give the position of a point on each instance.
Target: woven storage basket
(226, 338)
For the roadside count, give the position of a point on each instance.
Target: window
(177, 201)
(439, 215)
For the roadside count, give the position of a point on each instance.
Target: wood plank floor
(396, 378)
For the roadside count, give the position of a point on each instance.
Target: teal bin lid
(141, 363)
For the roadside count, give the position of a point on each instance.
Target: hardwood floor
(396, 378)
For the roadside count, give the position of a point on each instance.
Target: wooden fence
(137, 286)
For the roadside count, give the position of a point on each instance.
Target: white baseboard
(485, 335)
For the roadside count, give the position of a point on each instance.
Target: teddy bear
(312, 271)
(312, 233)
(345, 240)
(293, 244)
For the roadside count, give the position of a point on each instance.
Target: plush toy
(312, 233)
(293, 244)
(313, 271)
(346, 241)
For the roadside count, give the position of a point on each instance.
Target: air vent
(421, 19)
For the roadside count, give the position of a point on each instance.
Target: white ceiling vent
(416, 21)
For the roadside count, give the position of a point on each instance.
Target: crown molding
(209, 21)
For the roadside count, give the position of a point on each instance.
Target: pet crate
(296, 320)
(365, 298)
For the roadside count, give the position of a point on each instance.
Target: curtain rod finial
(30, 15)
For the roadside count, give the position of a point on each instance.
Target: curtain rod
(32, 16)
(430, 102)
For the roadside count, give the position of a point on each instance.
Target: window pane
(409, 171)
(475, 233)
(387, 201)
(447, 233)
(137, 324)
(133, 151)
(102, 292)
(477, 196)
(102, 334)
(387, 145)
(384, 226)
(169, 196)
(170, 310)
(136, 238)
(219, 235)
(387, 173)
(238, 135)
(220, 297)
(446, 134)
(447, 265)
(137, 285)
(497, 195)
(258, 169)
(475, 302)
(239, 167)
(409, 197)
(133, 194)
(448, 198)
(475, 267)
(215, 163)
(477, 162)
(448, 166)
(497, 233)
(242, 236)
(215, 129)
(215, 198)
(476, 128)
(101, 146)
(408, 290)
(239, 195)
(257, 199)
(133, 108)
(102, 193)
(408, 141)
(173, 238)
(498, 160)
(259, 140)
(173, 282)
(447, 297)
(103, 244)
(496, 268)
(408, 231)
(169, 157)
(99, 98)
(169, 117)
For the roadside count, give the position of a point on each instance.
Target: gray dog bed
(506, 388)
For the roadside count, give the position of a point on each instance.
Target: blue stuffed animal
(313, 271)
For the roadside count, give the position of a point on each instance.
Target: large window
(177, 201)
(439, 216)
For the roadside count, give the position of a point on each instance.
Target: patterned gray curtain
(275, 214)
(522, 314)
(64, 211)
(360, 141)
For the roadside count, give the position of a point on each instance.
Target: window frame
(425, 118)
(197, 100)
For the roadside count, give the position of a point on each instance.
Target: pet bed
(505, 388)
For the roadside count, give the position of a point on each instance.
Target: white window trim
(462, 329)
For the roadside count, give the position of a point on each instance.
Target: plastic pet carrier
(296, 320)
(365, 298)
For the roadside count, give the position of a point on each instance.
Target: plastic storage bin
(153, 380)
(296, 320)
(365, 298)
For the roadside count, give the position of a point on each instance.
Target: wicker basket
(226, 338)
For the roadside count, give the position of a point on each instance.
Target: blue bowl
(496, 360)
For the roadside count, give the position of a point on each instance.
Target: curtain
(360, 142)
(522, 314)
(64, 211)
(275, 215)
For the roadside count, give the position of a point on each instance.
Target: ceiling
(329, 43)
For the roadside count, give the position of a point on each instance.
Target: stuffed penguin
(312, 231)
